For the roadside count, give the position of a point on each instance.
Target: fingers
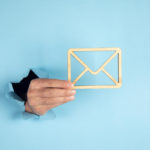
(53, 83)
(50, 92)
(51, 101)
(45, 94)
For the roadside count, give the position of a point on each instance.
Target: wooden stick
(110, 76)
(83, 72)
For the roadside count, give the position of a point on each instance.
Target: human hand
(45, 94)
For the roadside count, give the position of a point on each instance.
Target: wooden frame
(117, 52)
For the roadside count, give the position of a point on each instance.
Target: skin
(45, 94)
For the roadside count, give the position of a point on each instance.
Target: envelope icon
(117, 51)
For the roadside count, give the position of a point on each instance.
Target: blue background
(38, 34)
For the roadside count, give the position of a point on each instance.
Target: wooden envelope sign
(117, 51)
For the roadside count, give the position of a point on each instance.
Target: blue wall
(38, 34)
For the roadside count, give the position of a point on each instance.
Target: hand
(45, 94)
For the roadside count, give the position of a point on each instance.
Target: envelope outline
(101, 68)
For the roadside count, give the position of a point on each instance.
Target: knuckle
(31, 102)
(65, 84)
(34, 82)
(66, 92)
(61, 83)
(31, 93)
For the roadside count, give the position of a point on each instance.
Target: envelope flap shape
(99, 79)
(88, 69)
(94, 59)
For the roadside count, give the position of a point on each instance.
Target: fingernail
(70, 85)
(71, 97)
(72, 92)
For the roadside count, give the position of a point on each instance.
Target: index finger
(50, 83)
